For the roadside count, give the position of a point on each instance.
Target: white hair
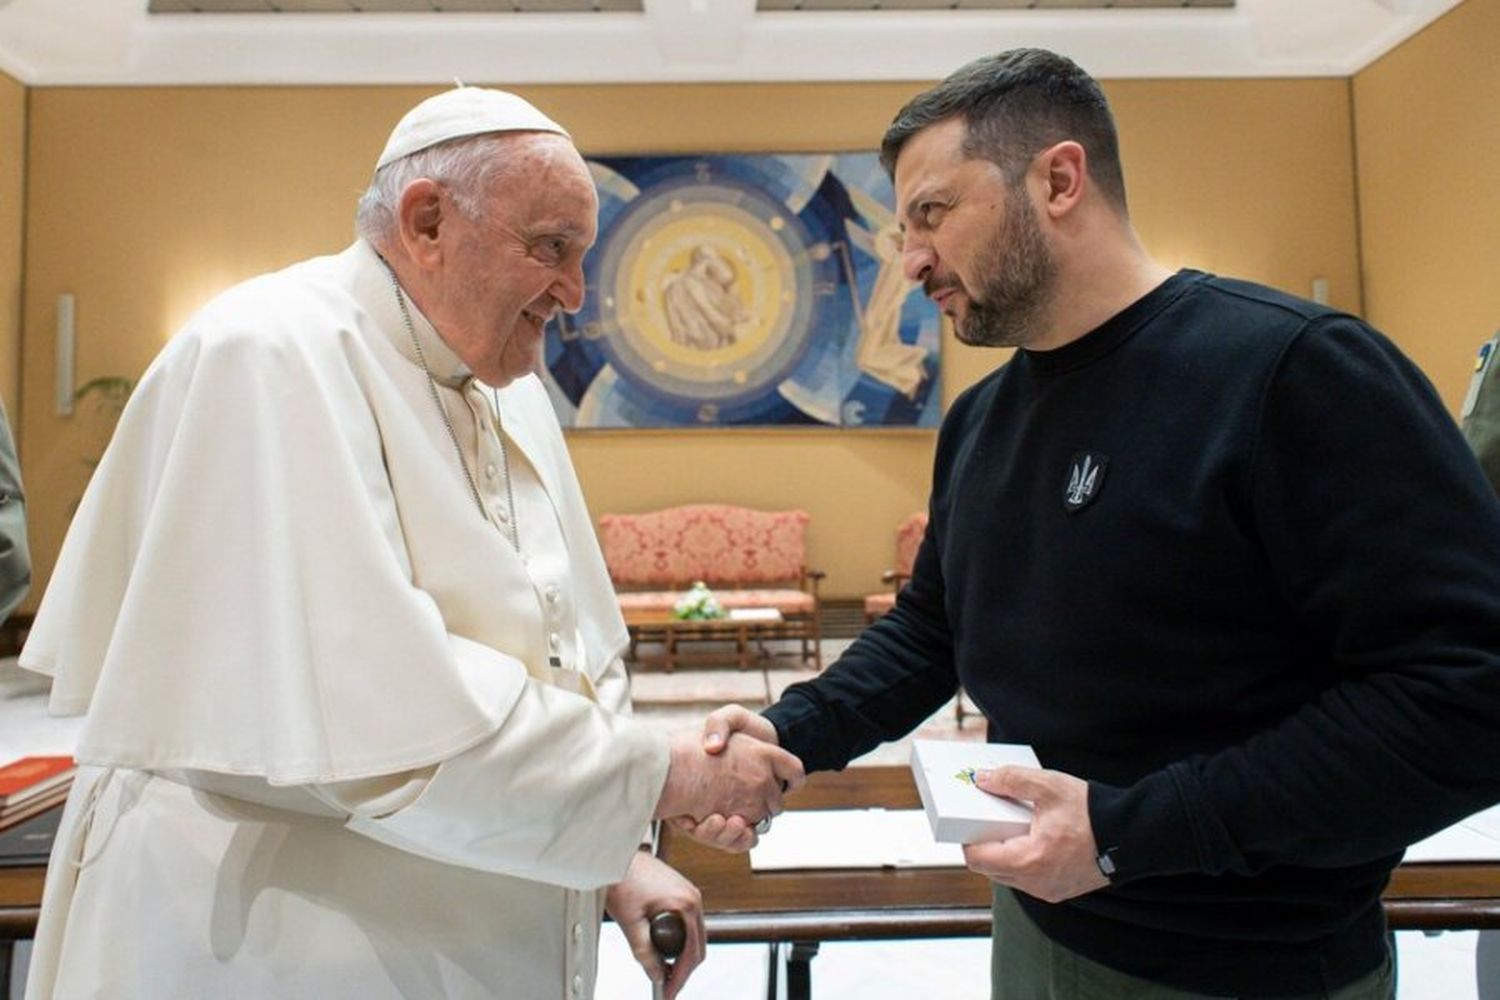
(464, 166)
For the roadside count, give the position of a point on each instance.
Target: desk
(802, 909)
(20, 902)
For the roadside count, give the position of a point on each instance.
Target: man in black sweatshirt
(1218, 554)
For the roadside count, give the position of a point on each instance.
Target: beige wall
(12, 214)
(1428, 143)
(144, 202)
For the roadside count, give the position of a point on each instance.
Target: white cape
(278, 569)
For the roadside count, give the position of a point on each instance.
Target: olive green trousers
(1025, 964)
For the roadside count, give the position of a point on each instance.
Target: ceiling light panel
(392, 6)
(887, 5)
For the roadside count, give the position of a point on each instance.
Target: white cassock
(343, 740)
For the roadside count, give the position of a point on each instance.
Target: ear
(419, 218)
(1062, 170)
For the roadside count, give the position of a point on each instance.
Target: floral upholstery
(750, 558)
(716, 543)
(909, 536)
(878, 604)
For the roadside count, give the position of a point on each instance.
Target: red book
(29, 777)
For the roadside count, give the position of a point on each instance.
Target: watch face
(745, 290)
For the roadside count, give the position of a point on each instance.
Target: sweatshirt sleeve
(897, 673)
(1384, 540)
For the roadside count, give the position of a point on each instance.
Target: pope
(356, 719)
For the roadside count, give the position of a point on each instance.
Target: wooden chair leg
(817, 640)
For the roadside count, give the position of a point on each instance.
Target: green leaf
(113, 388)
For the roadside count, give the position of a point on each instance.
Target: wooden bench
(749, 558)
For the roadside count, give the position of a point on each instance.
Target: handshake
(726, 782)
(721, 783)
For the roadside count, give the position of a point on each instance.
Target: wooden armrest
(895, 578)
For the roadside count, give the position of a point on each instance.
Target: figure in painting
(703, 311)
(880, 353)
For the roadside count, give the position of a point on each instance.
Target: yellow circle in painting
(710, 288)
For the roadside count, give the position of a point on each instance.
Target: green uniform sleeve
(1481, 411)
(15, 555)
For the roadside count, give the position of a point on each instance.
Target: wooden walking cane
(668, 937)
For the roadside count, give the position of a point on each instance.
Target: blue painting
(746, 291)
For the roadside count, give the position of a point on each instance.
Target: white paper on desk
(754, 615)
(1476, 838)
(852, 838)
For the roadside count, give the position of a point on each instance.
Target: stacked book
(32, 785)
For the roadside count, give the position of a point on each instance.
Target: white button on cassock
(490, 471)
(578, 934)
(577, 985)
(554, 642)
(551, 593)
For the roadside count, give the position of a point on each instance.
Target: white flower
(699, 602)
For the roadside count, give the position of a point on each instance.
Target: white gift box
(959, 811)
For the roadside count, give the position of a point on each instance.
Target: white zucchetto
(460, 112)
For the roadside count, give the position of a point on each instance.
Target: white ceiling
(116, 42)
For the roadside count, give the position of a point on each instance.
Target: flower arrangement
(698, 604)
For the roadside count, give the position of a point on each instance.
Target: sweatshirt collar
(1114, 331)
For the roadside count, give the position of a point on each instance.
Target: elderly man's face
(971, 240)
(520, 261)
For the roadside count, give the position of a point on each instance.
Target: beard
(1015, 274)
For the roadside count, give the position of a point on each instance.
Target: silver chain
(458, 449)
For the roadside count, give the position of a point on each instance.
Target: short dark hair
(1014, 105)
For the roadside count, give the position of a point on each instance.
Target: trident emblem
(1085, 480)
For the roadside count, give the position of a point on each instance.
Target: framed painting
(746, 291)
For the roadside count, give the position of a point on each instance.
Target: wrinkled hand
(745, 778)
(1057, 859)
(731, 833)
(649, 887)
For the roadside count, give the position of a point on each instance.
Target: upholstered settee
(749, 558)
(908, 539)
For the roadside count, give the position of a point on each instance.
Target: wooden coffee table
(670, 631)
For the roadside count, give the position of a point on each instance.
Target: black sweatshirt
(1267, 632)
